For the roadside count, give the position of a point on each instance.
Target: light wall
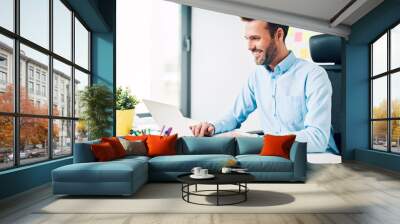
(221, 64)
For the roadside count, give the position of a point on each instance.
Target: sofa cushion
(249, 145)
(206, 145)
(116, 145)
(185, 163)
(111, 171)
(83, 152)
(257, 163)
(159, 145)
(275, 145)
(103, 152)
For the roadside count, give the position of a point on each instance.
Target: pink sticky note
(298, 36)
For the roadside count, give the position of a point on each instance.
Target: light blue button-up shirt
(295, 98)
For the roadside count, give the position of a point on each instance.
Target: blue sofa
(125, 176)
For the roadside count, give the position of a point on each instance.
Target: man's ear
(279, 34)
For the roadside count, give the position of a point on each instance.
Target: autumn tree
(33, 131)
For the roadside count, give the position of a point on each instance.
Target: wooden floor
(377, 188)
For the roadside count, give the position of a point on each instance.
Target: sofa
(126, 175)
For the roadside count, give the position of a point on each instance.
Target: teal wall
(357, 84)
(99, 16)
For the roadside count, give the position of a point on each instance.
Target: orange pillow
(103, 152)
(136, 138)
(161, 145)
(277, 145)
(116, 145)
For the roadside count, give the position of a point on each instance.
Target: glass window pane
(62, 138)
(379, 97)
(81, 131)
(81, 45)
(35, 21)
(395, 95)
(34, 79)
(379, 55)
(379, 135)
(7, 14)
(62, 89)
(33, 140)
(395, 47)
(81, 81)
(395, 136)
(62, 29)
(6, 142)
(6, 74)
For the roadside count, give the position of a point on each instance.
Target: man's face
(260, 42)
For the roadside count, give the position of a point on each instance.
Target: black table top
(220, 178)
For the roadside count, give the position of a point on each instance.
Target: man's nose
(251, 46)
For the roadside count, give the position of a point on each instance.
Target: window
(3, 78)
(62, 30)
(35, 21)
(162, 70)
(385, 95)
(81, 45)
(30, 87)
(6, 73)
(45, 131)
(7, 14)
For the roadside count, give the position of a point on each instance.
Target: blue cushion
(249, 145)
(83, 153)
(111, 171)
(206, 145)
(257, 163)
(185, 163)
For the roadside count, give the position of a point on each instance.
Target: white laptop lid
(170, 116)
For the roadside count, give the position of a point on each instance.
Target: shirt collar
(285, 64)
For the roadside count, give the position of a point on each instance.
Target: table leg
(196, 187)
(217, 194)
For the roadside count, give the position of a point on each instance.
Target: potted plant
(125, 105)
(96, 103)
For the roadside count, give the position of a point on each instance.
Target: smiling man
(294, 96)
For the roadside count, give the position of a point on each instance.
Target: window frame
(388, 74)
(16, 114)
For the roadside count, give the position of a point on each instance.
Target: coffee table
(238, 179)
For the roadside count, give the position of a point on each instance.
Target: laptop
(170, 116)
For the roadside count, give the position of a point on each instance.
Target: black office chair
(326, 48)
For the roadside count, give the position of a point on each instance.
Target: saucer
(208, 176)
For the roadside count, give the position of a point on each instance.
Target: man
(293, 95)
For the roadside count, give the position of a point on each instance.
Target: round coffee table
(238, 179)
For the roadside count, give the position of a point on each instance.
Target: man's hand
(203, 129)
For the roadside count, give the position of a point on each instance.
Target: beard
(269, 55)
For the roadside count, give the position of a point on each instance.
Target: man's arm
(244, 104)
(317, 122)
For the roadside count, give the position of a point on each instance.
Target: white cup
(226, 170)
(196, 171)
(203, 172)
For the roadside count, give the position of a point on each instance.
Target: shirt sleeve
(317, 121)
(244, 104)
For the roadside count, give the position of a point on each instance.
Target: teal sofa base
(126, 176)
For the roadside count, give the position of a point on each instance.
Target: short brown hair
(272, 27)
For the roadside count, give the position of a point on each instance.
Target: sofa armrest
(83, 152)
(298, 155)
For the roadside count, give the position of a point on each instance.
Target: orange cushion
(103, 152)
(116, 145)
(161, 145)
(136, 138)
(277, 145)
